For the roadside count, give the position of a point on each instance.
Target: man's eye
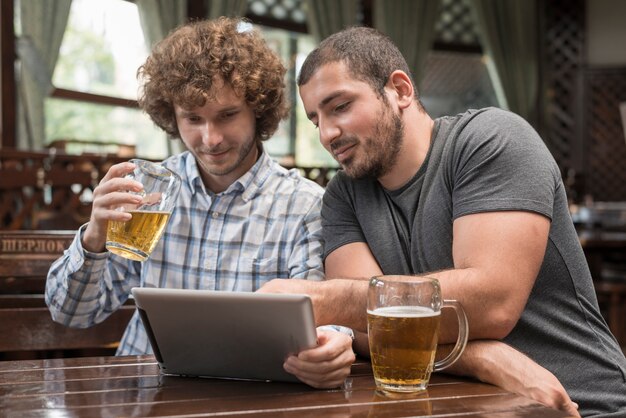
(228, 115)
(342, 107)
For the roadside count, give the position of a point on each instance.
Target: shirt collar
(248, 184)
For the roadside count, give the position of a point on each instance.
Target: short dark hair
(370, 56)
(185, 67)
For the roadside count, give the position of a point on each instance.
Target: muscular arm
(497, 256)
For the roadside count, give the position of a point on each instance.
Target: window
(283, 23)
(296, 141)
(456, 77)
(101, 50)
(103, 46)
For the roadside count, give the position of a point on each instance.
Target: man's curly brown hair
(190, 64)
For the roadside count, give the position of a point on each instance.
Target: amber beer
(135, 239)
(403, 342)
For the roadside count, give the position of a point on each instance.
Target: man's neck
(418, 128)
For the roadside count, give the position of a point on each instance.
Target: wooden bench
(26, 328)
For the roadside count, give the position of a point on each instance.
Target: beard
(243, 152)
(380, 152)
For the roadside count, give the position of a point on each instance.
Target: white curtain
(43, 25)
(325, 17)
(411, 26)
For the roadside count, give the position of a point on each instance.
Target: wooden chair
(26, 328)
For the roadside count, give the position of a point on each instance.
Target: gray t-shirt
(482, 161)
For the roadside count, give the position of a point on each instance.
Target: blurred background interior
(69, 110)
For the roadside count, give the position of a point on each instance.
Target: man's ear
(401, 85)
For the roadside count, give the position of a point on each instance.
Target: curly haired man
(241, 219)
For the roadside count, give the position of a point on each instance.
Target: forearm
(499, 364)
(80, 290)
(472, 362)
(335, 302)
(93, 238)
(342, 302)
(492, 309)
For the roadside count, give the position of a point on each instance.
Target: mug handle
(461, 340)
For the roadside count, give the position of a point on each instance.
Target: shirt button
(215, 215)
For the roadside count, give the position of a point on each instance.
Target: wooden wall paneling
(7, 76)
(563, 27)
(605, 142)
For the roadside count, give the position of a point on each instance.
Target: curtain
(325, 17)
(217, 8)
(508, 31)
(411, 26)
(159, 17)
(43, 25)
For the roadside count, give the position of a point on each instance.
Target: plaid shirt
(266, 225)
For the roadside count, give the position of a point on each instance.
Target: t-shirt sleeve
(501, 164)
(340, 225)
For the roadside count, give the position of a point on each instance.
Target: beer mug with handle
(135, 239)
(403, 318)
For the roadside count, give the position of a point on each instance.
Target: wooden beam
(7, 76)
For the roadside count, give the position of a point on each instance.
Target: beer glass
(403, 317)
(135, 239)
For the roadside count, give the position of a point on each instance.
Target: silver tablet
(225, 334)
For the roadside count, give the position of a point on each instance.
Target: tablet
(225, 334)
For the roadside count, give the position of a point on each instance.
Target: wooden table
(132, 386)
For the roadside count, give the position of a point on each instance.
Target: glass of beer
(135, 239)
(403, 318)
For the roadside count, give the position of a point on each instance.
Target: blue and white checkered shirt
(266, 225)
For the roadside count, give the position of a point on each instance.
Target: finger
(107, 207)
(329, 380)
(321, 365)
(332, 375)
(114, 200)
(118, 170)
(117, 184)
(344, 360)
(330, 345)
(322, 384)
(571, 408)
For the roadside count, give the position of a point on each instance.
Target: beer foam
(404, 312)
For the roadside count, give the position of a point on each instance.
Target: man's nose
(211, 135)
(328, 133)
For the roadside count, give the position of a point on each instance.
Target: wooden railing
(48, 190)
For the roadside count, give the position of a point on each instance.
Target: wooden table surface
(132, 387)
